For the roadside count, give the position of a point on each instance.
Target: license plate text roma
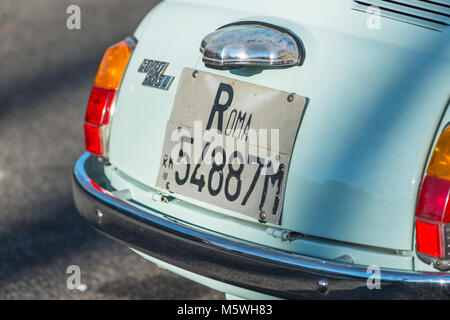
(229, 143)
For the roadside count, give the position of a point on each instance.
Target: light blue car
(287, 149)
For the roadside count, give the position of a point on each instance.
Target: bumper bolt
(322, 286)
(99, 215)
(195, 74)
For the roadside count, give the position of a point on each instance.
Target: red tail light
(99, 106)
(94, 139)
(107, 81)
(433, 207)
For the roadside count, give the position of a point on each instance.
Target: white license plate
(229, 143)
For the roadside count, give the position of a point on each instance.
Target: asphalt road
(46, 76)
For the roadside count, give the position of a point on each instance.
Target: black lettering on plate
(181, 155)
(274, 178)
(220, 108)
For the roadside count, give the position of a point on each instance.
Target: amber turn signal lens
(113, 65)
(440, 160)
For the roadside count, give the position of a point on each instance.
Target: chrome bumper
(248, 266)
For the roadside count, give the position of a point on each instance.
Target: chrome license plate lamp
(251, 44)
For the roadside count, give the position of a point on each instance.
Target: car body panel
(375, 101)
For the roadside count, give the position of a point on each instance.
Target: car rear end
(367, 118)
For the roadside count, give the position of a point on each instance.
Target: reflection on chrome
(251, 44)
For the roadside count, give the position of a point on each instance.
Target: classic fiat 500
(289, 149)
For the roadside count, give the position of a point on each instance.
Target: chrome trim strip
(245, 265)
(132, 41)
